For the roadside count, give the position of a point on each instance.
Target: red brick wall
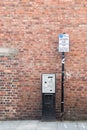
(32, 27)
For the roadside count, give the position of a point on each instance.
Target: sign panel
(63, 43)
(48, 83)
(8, 51)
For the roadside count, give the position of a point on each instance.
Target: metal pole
(62, 83)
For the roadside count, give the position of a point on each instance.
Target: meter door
(48, 105)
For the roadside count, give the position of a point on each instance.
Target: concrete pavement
(39, 125)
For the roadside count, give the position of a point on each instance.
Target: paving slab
(47, 126)
(6, 125)
(18, 125)
(82, 125)
(67, 125)
(28, 125)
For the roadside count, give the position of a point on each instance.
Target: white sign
(63, 43)
(8, 51)
(48, 83)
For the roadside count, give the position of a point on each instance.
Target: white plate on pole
(63, 42)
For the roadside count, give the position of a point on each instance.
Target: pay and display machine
(48, 96)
